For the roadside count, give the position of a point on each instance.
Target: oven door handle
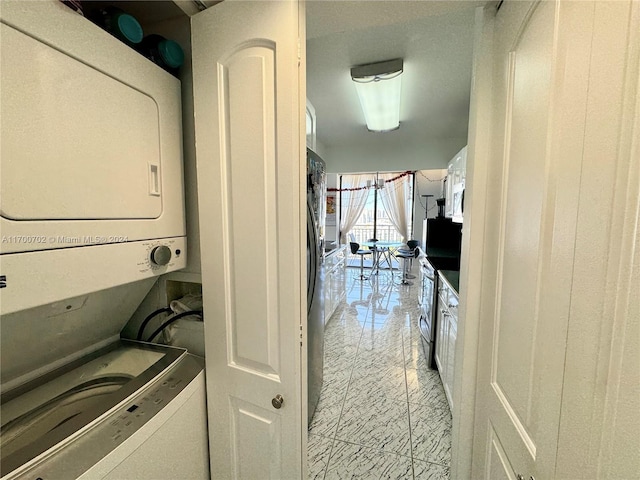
(433, 279)
(423, 334)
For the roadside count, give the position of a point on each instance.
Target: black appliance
(427, 311)
(444, 240)
(441, 205)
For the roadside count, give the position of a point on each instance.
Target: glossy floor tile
(382, 412)
(353, 461)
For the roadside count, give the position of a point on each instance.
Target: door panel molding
(498, 466)
(514, 419)
(249, 139)
(525, 170)
(247, 82)
(252, 428)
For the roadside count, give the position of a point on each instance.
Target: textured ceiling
(435, 39)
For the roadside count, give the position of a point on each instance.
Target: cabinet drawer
(335, 258)
(452, 304)
(448, 296)
(443, 293)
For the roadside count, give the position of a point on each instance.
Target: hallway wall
(380, 155)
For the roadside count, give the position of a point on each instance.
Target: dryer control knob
(161, 255)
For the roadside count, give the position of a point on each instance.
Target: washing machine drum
(48, 412)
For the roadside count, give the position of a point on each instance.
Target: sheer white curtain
(395, 198)
(353, 202)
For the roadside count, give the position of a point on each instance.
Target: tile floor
(382, 412)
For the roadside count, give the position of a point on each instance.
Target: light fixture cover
(379, 87)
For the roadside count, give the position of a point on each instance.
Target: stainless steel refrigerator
(316, 205)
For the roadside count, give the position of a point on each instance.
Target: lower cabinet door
(341, 280)
(441, 330)
(452, 334)
(327, 297)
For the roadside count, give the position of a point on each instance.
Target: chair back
(413, 244)
(354, 247)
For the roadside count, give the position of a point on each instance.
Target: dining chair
(413, 249)
(405, 256)
(356, 250)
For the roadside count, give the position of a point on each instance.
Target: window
(375, 221)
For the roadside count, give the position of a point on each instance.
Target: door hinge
(299, 52)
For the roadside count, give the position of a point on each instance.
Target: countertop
(443, 258)
(331, 250)
(442, 252)
(452, 277)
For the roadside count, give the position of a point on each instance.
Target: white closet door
(541, 67)
(251, 171)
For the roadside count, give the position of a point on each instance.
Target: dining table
(382, 249)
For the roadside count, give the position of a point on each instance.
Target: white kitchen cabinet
(446, 335)
(456, 173)
(442, 325)
(334, 280)
(452, 333)
(311, 126)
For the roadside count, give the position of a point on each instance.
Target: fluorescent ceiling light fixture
(378, 86)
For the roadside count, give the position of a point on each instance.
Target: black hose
(151, 316)
(171, 320)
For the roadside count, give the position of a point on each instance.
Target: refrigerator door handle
(312, 255)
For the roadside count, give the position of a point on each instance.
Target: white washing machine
(128, 411)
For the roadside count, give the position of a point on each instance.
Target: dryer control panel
(160, 255)
(71, 272)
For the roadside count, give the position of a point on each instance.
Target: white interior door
(249, 140)
(540, 80)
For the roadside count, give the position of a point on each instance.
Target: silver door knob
(520, 476)
(277, 401)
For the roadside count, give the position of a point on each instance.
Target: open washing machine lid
(58, 333)
(46, 411)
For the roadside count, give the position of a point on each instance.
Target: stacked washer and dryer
(92, 212)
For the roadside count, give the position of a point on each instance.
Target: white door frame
(473, 244)
(598, 431)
